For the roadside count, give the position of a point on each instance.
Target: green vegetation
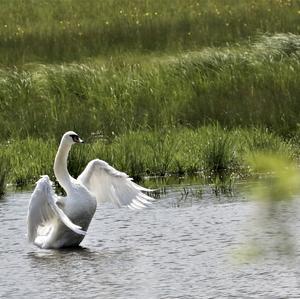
(282, 185)
(276, 192)
(169, 87)
(255, 85)
(211, 152)
(72, 30)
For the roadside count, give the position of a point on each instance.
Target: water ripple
(169, 251)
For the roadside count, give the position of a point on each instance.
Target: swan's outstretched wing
(109, 184)
(43, 209)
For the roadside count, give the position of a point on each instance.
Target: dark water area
(189, 244)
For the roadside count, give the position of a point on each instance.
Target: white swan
(56, 222)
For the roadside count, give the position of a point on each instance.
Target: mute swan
(56, 222)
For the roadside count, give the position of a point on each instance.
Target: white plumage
(56, 222)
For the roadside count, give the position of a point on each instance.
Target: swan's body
(56, 222)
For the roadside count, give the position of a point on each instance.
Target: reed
(157, 87)
(256, 85)
(219, 153)
(30, 158)
(211, 152)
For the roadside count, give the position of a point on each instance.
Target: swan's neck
(60, 166)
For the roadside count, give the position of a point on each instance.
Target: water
(183, 247)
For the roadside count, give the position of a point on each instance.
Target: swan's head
(71, 138)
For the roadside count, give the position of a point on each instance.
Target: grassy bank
(65, 31)
(210, 152)
(145, 81)
(251, 85)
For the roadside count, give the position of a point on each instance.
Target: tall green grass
(254, 85)
(29, 159)
(71, 30)
(207, 151)
(157, 87)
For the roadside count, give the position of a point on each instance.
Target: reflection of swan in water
(56, 222)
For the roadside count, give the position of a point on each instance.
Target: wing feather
(43, 209)
(109, 184)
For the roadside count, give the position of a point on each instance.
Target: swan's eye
(75, 138)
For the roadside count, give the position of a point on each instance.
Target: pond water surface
(182, 247)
